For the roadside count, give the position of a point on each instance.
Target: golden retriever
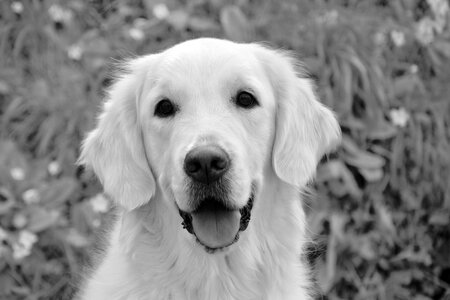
(205, 147)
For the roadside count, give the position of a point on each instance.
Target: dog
(205, 148)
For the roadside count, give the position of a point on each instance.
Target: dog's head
(203, 122)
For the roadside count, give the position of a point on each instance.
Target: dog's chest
(225, 279)
(201, 281)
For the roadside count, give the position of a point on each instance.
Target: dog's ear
(115, 149)
(305, 128)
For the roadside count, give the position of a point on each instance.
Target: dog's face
(204, 121)
(208, 122)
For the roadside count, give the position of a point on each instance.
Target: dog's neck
(266, 253)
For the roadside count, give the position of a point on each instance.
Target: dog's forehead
(207, 48)
(208, 57)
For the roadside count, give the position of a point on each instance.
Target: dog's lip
(245, 213)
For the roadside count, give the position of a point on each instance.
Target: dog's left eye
(246, 100)
(165, 108)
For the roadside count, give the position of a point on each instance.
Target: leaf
(365, 247)
(14, 108)
(443, 47)
(349, 145)
(93, 43)
(80, 216)
(313, 64)
(6, 201)
(381, 130)
(59, 191)
(337, 224)
(178, 19)
(340, 179)
(327, 271)
(11, 157)
(42, 219)
(6, 283)
(406, 85)
(71, 74)
(402, 277)
(412, 256)
(384, 218)
(331, 169)
(394, 285)
(440, 218)
(4, 88)
(410, 200)
(323, 277)
(369, 164)
(40, 90)
(347, 84)
(202, 24)
(235, 24)
(360, 158)
(353, 123)
(371, 175)
(76, 239)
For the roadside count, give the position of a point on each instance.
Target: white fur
(139, 157)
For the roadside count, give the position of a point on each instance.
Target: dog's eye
(246, 100)
(165, 108)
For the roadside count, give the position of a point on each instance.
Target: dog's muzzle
(212, 212)
(213, 220)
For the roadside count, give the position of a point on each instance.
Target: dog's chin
(216, 226)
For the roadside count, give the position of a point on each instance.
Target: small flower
(27, 238)
(17, 174)
(19, 220)
(75, 52)
(96, 222)
(398, 38)
(20, 252)
(379, 38)
(331, 17)
(140, 23)
(17, 7)
(399, 117)
(3, 235)
(136, 34)
(413, 69)
(60, 14)
(22, 247)
(31, 196)
(438, 7)
(160, 11)
(4, 88)
(99, 203)
(424, 31)
(54, 168)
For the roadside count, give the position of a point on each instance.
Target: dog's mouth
(215, 225)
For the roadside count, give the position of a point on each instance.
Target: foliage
(382, 207)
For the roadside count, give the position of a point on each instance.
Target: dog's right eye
(246, 100)
(165, 108)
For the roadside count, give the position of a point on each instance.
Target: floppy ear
(115, 149)
(305, 128)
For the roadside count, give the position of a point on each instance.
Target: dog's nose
(206, 164)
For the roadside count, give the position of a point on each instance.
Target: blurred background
(380, 210)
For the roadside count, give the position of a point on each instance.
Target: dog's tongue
(216, 228)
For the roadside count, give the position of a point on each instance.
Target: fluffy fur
(138, 157)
